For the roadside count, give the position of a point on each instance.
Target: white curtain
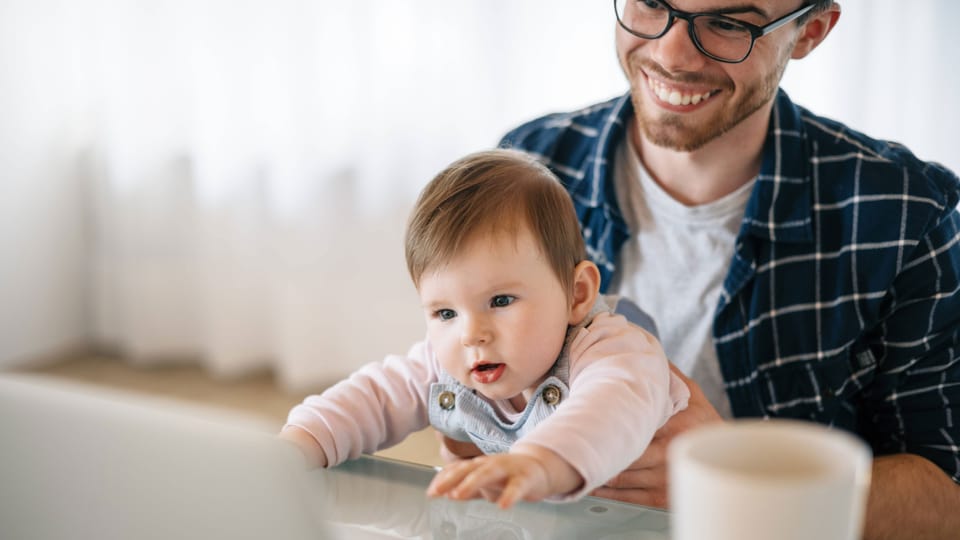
(891, 70)
(238, 173)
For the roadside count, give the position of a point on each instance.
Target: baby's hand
(312, 453)
(530, 475)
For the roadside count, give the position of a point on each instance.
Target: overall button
(446, 400)
(551, 395)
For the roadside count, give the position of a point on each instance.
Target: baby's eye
(502, 300)
(444, 314)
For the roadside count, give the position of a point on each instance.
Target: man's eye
(724, 26)
(651, 4)
(501, 300)
(445, 314)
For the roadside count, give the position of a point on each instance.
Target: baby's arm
(374, 408)
(529, 472)
(620, 394)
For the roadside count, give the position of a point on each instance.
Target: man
(795, 268)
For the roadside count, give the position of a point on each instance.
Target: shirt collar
(598, 187)
(779, 208)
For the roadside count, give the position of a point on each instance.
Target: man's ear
(586, 287)
(815, 30)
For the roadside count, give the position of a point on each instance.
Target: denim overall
(459, 413)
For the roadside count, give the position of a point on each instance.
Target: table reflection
(376, 497)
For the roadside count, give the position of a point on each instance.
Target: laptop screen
(74, 464)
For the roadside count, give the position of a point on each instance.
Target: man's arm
(914, 394)
(910, 497)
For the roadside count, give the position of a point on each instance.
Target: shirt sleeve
(621, 392)
(913, 402)
(376, 407)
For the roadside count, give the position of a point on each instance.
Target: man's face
(683, 99)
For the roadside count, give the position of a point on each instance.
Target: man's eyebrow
(738, 10)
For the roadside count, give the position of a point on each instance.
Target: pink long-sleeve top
(621, 392)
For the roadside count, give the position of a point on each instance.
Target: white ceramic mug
(768, 480)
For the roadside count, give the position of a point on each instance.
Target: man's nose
(675, 50)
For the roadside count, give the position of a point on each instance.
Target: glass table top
(374, 497)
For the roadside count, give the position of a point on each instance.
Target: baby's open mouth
(488, 373)
(487, 367)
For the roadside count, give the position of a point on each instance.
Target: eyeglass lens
(717, 36)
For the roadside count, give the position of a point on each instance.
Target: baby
(523, 357)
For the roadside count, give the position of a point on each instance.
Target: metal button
(551, 395)
(446, 400)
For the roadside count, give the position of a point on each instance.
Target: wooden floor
(256, 396)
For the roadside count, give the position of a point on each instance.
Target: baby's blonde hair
(494, 192)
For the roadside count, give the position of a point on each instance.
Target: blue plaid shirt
(841, 303)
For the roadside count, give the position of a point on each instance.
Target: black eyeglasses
(717, 36)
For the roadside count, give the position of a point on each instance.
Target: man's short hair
(819, 6)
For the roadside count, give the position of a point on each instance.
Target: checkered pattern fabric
(841, 303)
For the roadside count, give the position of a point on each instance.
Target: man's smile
(677, 96)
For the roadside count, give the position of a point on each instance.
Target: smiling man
(795, 268)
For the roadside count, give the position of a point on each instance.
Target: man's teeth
(674, 97)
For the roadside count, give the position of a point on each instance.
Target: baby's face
(496, 315)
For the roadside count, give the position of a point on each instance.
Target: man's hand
(526, 473)
(645, 480)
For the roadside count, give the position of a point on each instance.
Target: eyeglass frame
(756, 32)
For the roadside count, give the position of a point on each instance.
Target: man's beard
(677, 131)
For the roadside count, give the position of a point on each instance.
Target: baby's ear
(586, 287)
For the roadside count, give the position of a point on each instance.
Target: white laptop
(75, 464)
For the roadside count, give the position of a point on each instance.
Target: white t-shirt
(674, 264)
